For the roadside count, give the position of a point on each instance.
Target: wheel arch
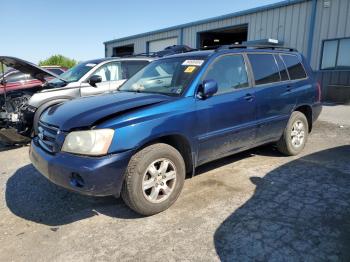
(180, 143)
(307, 111)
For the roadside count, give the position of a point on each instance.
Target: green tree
(58, 60)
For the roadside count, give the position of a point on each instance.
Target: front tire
(295, 135)
(154, 179)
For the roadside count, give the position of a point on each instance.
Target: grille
(47, 137)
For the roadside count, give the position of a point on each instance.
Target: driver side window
(110, 72)
(229, 72)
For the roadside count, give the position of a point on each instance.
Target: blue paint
(210, 127)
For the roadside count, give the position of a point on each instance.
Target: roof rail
(273, 47)
(170, 50)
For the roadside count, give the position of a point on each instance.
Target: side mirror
(208, 88)
(94, 80)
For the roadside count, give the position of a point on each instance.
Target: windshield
(75, 73)
(166, 76)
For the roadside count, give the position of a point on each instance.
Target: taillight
(318, 95)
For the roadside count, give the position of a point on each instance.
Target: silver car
(88, 78)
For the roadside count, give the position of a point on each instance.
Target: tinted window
(16, 77)
(295, 69)
(132, 67)
(229, 72)
(282, 68)
(264, 68)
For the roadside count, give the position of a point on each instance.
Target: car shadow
(300, 211)
(31, 196)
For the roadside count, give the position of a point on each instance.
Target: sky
(34, 30)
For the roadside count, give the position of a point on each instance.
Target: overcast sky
(35, 30)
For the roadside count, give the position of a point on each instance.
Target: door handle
(249, 97)
(289, 88)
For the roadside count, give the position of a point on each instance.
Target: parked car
(17, 80)
(141, 141)
(22, 110)
(88, 78)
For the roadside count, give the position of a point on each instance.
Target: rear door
(227, 120)
(273, 92)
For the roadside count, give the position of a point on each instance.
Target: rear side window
(295, 68)
(282, 68)
(229, 72)
(132, 67)
(265, 69)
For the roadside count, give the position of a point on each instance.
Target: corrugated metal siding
(335, 86)
(287, 23)
(332, 22)
(140, 43)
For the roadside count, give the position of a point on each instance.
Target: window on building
(265, 69)
(229, 72)
(336, 54)
(294, 67)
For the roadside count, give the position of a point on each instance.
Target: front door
(110, 73)
(227, 120)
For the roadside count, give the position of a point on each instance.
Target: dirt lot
(257, 205)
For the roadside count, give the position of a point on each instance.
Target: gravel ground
(254, 206)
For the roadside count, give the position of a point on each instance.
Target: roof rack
(170, 50)
(273, 47)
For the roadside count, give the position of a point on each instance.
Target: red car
(16, 80)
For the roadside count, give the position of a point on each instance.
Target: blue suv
(177, 113)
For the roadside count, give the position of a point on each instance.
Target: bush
(58, 60)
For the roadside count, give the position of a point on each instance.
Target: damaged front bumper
(97, 176)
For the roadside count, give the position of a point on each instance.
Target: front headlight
(91, 142)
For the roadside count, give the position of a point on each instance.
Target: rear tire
(295, 135)
(154, 179)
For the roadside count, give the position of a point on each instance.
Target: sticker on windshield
(90, 65)
(193, 62)
(190, 69)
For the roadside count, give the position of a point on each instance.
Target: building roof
(213, 19)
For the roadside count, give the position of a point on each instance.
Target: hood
(87, 111)
(27, 68)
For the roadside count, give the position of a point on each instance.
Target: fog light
(76, 180)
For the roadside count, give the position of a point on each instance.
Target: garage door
(158, 45)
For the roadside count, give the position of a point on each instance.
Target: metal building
(320, 29)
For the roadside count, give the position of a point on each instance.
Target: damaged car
(21, 109)
(175, 114)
